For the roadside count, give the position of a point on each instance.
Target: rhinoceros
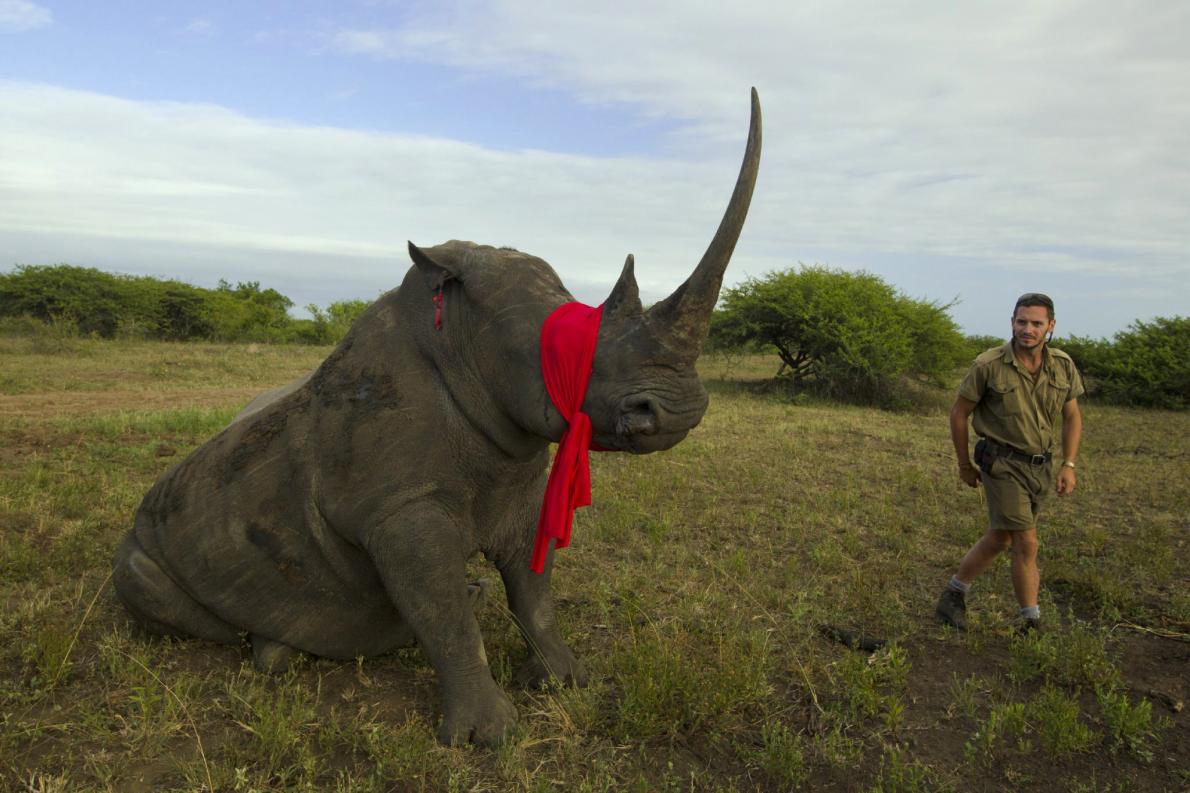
(335, 515)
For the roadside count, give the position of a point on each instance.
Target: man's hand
(969, 474)
(1066, 481)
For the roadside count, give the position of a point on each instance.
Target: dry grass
(693, 588)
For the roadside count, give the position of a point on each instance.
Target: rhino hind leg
(158, 603)
(272, 657)
(275, 657)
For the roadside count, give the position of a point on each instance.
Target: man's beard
(1023, 344)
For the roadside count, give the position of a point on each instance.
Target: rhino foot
(272, 657)
(483, 717)
(477, 592)
(559, 666)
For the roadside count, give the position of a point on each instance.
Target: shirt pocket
(1004, 398)
(1055, 395)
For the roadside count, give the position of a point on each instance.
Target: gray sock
(1031, 613)
(958, 586)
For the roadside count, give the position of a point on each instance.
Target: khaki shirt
(1015, 408)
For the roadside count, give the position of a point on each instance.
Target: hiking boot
(1028, 625)
(952, 609)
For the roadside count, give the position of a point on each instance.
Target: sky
(963, 152)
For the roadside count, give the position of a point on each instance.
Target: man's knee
(1024, 544)
(998, 541)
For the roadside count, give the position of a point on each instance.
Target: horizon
(300, 311)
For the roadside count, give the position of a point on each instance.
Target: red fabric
(567, 354)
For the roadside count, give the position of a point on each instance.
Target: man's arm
(1072, 435)
(959, 436)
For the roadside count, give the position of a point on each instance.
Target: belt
(1012, 454)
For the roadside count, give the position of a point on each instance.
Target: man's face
(1030, 324)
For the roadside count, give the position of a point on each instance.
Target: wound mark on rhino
(263, 538)
(260, 430)
(267, 540)
(367, 390)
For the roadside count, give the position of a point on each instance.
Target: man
(1015, 393)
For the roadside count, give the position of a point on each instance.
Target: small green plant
(280, 718)
(1003, 722)
(964, 693)
(46, 649)
(1077, 656)
(901, 773)
(781, 755)
(871, 685)
(838, 748)
(153, 710)
(1130, 727)
(1055, 717)
(671, 683)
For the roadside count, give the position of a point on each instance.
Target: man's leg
(952, 605)
(983, 553)
(1026, 577)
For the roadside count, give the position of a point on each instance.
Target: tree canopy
(845, 334)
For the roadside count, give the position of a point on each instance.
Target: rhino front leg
(422, 563)
(530, 600)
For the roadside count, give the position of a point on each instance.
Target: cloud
(200, 25)
(980, 130)
(87, 166)
(21, 15)
(369, 42)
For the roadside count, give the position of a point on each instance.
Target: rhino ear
(435, 273)
(625, 297)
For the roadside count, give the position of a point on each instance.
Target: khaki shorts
(1015, 490)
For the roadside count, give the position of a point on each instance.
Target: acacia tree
(846, 334)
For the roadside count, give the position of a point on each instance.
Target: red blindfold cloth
(567, 355)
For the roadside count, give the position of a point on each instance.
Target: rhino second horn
(624, 301)
(685, 316)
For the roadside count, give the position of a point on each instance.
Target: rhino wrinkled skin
(335, 515)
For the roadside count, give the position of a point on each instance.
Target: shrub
(42, 301)
(94, 300)
(1146, 365)
(974, 345)
(246, 312)
(844, 334)
(332, 324)
(1150, 365)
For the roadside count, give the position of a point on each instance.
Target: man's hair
(1035, 299)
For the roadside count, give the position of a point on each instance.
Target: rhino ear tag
(435, 275)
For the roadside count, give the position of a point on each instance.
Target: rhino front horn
(683, 317)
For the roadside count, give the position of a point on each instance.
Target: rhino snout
(638, 415)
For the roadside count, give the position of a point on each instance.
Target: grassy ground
(694, 588)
